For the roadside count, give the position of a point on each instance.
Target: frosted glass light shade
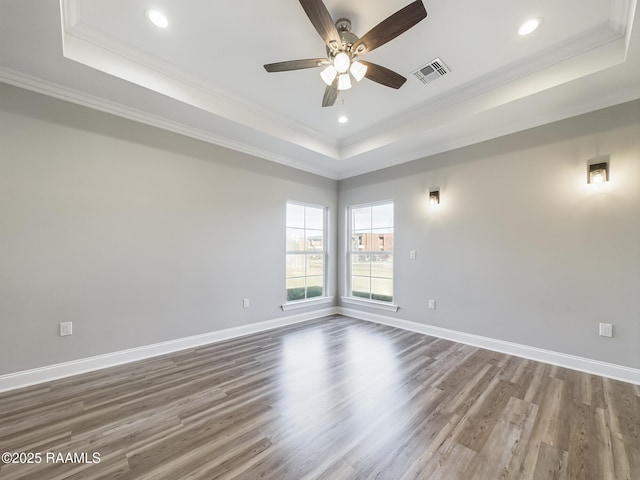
(328, 75)
(598, 176)
(341, 61)
(344, 82)
(358, 70)
(598, 172)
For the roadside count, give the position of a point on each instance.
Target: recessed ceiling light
(343, 119)
(529, 26)
(157, 18)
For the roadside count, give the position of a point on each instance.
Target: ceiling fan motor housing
(348, 38)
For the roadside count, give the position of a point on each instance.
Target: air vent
(432, 71)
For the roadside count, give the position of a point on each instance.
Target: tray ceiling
(202, 76)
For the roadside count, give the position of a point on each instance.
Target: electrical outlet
(606, 330)
(432, 304)
(66, 328)
(412, 254)
(245, 303)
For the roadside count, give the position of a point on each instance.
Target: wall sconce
(598, 172)
(434, 197)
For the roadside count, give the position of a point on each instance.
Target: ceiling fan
(344, 48)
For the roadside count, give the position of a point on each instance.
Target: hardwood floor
(334, 399)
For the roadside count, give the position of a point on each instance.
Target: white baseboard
(27, 378)
(610, 370)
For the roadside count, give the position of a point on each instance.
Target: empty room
(319, 239)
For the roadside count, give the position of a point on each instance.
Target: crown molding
(44, 87)
(621, 15)
(596, 42)
(614, 97)
(105, 53)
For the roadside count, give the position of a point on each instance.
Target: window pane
(382, 216)
(360, 286)
(295, 266)
(295, 239)
(314, 286)
(361, 219)
(295, 289)
(364, 242)
(295, 215)
(382, 266)
(314, 218)
(314, 240)
(360, 265)
(357, 242)
(382, 240)
(315, 264)
(382, 289)
(377, 241)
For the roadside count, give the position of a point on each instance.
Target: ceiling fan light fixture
(343, 48)
(341, 62)
(328, 75)
(344, 82)
(358, 70)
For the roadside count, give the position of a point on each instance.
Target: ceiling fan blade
(296, 64)
(322, 21)
(383, 75)
(395, 25)
(330, 94)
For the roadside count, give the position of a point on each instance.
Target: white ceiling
(203, 75)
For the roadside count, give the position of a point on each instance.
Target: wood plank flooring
(335, 398)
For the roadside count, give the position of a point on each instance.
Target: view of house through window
(371, 251)
(306, 254)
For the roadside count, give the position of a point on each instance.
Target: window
(306, 251)
(371, 251)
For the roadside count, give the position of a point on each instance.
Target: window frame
(322, 298)
(358, 300)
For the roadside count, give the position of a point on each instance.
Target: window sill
(306, 303)
(387, 307)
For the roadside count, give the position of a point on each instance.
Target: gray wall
(140, 236)
(136, 235)
(521, 248)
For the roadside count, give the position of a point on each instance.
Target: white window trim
(363, 302)
(312, 302)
